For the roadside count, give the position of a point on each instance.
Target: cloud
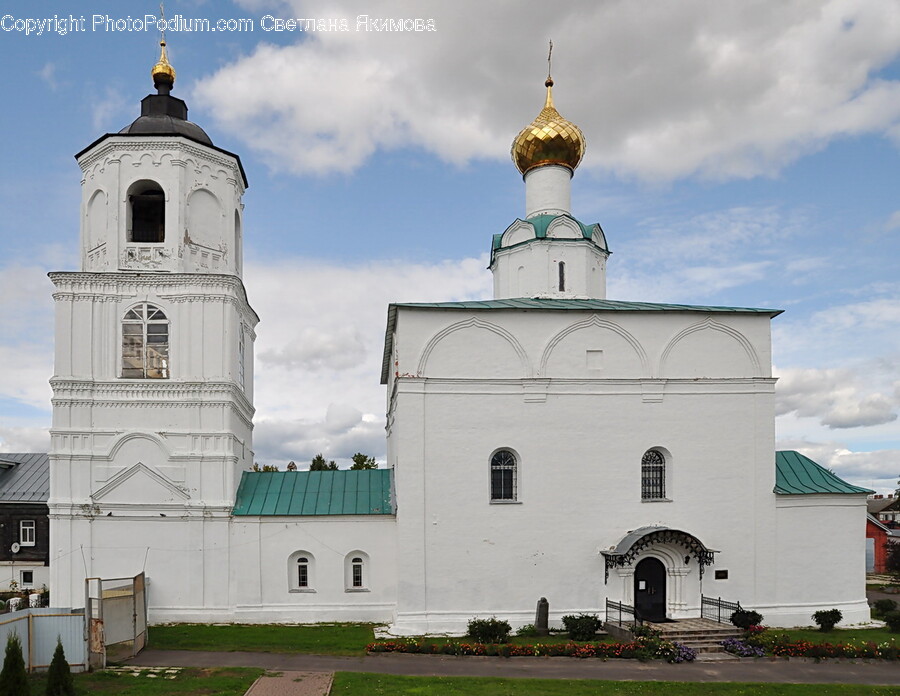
(701, 255)
(722, 89)
(893, 222)
(861, 336)
(317, 381)
(26, 349)
(24, 439)
(48, 74)
(833, 396)
(315, 349)
(109, 110)
(280, 441)
(877, 469)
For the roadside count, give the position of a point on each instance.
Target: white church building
(547, 442)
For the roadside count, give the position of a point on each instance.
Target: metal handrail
(619, 608)
(717, 609)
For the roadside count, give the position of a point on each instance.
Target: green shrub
(581, 626)
(526, 631)
(492, 630)
(884, 606)
(13, 679)
(645, 631)
(827, 619)
(59, 677)
(745, 618)
(892, 619)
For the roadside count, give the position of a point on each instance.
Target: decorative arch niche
(96, 223)
(204, 218)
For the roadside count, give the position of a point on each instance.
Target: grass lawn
(353, 684)
(320, 639)
(839, 635)
(230, 681)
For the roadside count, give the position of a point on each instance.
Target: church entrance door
(650, 590)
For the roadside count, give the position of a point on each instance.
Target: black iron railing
(622, 615)
(717, 609)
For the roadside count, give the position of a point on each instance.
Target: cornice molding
(115, 146)
(75, 286)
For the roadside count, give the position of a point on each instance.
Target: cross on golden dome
(163, 73)
(549, 139)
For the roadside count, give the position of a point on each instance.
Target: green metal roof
(556, 305)
(540, 224)
(309, 493)
(799, 475)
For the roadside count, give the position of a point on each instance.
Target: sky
(739, 152)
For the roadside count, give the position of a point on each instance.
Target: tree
(892, 562)
(265, 467)
(319, 464)
(59, 677)
(13, 679)
(363, 461)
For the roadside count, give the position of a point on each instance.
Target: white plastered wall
(826, 575)
(579, 424)
(264, 562)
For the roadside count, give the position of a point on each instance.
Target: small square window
(721, 575)
(26, 532)
(27, 578)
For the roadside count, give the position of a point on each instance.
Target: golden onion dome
(550, 139)
(163, 70)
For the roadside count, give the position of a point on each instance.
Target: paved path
(794, 671)
(292, 684)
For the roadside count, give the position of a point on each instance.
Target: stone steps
(703, 636)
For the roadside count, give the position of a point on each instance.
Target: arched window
(145, 343)
(562, 276)
(356, 572)
(301, 572)
(146, 213)
(503, 475)
(653, 475)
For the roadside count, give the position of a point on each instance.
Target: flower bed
(889, 650)
(641, 649)
(738, 647)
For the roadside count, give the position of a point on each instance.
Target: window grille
(357, 572)
(503, 475)
(303, 572)
(653, 475)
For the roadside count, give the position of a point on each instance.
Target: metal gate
(116, 613)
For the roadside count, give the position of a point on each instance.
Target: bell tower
(549, 253)
(153, 380)
(158, 195)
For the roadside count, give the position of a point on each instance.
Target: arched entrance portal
(650, 589)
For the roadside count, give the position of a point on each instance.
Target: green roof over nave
(315, 493)
(796, 474)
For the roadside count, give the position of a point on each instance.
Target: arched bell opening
(146, 213)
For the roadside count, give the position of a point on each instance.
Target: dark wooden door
(650, 590)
